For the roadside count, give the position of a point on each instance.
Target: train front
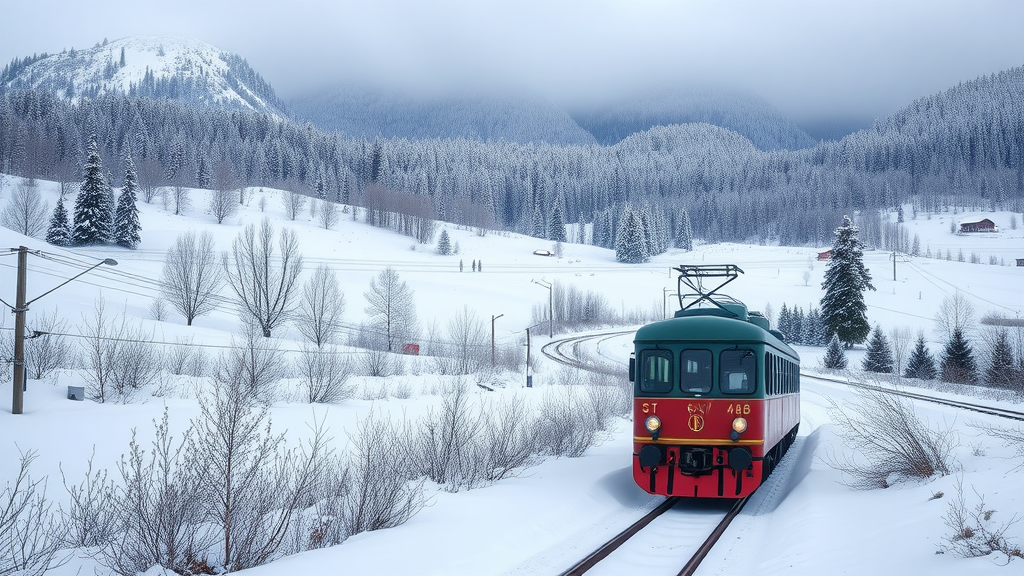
(698, 410)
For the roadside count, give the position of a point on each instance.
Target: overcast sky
(863, 58)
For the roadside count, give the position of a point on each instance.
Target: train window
(656, 371)
(769, 373)
(738, 374)
(696, 371)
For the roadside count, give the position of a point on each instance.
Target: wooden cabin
(984, 225)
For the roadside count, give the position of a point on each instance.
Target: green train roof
(707, 328)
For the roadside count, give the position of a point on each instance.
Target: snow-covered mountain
(178, 68)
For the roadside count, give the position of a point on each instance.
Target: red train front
(716, 401)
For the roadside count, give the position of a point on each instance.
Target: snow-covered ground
(804, 521)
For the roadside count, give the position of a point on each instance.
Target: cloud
(808, 57)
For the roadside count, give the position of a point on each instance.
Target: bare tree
(391, 308)
(149, 172)
(901, 338)
(320, 311)
(89, 518)
(191, 275)
(327, 215)
(293, 202)
(26, 212)
(467, 342)
(956, 313)
(47, 348)
(263, 280)
(222, 197)
(180, 198)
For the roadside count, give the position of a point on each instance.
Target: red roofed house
(984, 225)
(826, 255)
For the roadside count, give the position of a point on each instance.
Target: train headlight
(653, 424)
(739, 426)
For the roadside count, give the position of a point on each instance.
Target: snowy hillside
(156, 67)
(804, 521)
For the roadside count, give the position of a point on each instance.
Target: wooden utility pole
(18, 402)
(493, 318)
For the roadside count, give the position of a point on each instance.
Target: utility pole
(529, 379)
(893, 265)
(18, 402)
(20, 307)
(493, 318)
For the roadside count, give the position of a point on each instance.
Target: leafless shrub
(1012, 436)
(443, 441)
(382, 492)
(325, 374)
(185, 359)
(974, 532)
(159, 509)
(252, 483)
(506, 444)
(180, 198)
(564, 426)
(89, 518)
(293, 203)
(252, 362)
(158, 309)
(607, 397)
(30, 538)
(119, 357)
(893, 442)
(47, 348)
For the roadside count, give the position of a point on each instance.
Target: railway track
(971, 406)
(566, 351)
(673, 531)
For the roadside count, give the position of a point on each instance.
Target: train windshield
(696, 371)
(738, 371)
(656, 371)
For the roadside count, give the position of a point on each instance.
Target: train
(716, 393)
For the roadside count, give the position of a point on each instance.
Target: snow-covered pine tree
(785, 322)
(126, 217)
(684, 237)
(843, 310)
(879, 353)
(921, 364)
(1002, 371)
(59, 231)
(631, 241)
(444, 243)
(835, 356)
(958, 360)
(92, 216)
(556, 224)
(539, 230)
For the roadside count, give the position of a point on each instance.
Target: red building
(984, 225)
(826, 255)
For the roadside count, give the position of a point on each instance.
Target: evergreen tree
(684, 238)
(556, 225)
(958, 360)
(92, 216)
(785, 321)
(59, 231)
(202, 172)
(631, 241)
(879, 353)
(539, 230)
(921, 364)
(1002, 372)
(835, 356)
(444, 243)
(843, 310)
(126, 218)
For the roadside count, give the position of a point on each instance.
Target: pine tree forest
(961, 148)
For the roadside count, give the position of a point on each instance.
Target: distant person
(480, 266)
(460, 264)
(474, 265)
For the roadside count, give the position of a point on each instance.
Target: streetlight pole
(493, 318)
(551, 307)
(20, 307)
